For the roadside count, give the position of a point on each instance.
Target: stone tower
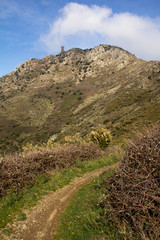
(62, 49)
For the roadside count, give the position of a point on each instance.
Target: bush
(101, 136)
(19, 170)
(132, 198)
(74, 139)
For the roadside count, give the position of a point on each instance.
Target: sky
(36, 28)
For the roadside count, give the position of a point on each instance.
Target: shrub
(101, 136)
(29, 147)
(74, 139)
(132, 199)
(19, 170)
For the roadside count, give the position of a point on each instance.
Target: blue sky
(36, 28)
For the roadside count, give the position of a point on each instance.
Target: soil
(42, 220)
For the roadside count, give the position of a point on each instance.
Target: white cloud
(82, 26)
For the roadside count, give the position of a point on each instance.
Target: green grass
(31, 110)
(13, 205)
(67, 102)
(83, 218)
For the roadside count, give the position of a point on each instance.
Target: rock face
(76, 91)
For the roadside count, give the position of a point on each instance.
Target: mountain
(75, 92)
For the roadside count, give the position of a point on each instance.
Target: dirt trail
(42, 220)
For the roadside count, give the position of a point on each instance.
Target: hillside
(75, 92)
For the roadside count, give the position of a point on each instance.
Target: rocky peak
(76, 64)
(102, 55)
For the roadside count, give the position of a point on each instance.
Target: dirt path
(42, 220)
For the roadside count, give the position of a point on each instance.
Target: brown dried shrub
(19, 170)
(132, 198)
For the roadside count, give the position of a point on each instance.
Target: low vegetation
(12, 205)
(132, 196)
(83, 218)
(122, 204)
(19, 170)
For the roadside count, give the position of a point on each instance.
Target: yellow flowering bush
(101, 136)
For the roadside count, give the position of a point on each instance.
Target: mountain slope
(75, 92)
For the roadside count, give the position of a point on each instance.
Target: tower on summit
(62, 49)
